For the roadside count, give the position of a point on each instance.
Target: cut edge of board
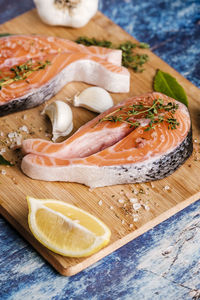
(88, 261)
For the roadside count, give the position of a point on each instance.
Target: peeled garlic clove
(94, 98)
(61, 118)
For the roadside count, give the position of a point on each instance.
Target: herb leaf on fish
(21, 72)
(4, 34)
(156, 113)
(4, 162)
(130, 59)
(168, 85)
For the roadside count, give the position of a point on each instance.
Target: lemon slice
(66, 229)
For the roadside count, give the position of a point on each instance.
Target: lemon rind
(100, 241)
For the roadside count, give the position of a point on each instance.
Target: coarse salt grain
(111, 207)
(1, 133)
(131, 225)
(15, 138)
(121, 200)
(3, 172)
(135, 219)
(3, 150)
(152, 185)
(123, 221)
(100, 202)
(146, 207)
(166, 187)
(133, 200)
(24, 128)
(11, 135)
(136, 206)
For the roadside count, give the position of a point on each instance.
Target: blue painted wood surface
(163, 263)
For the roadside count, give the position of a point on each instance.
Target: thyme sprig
(21, 72)
(130, 59)
(156, 113)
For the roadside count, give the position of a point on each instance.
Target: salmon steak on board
(141, 139)
(35, 68)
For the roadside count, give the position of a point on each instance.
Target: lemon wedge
(66, 229)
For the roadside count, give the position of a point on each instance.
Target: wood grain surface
(184, 184)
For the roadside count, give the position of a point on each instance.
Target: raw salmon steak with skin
(103, 152)
(67, 61)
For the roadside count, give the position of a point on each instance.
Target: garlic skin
(94, 98)
(72, 13)
(61, 118)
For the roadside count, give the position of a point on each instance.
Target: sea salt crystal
(152, 185)
(3, 150)
(166, 188)
(121, 200)
(3, 172)
(50, 39)
(133, 200)
(131, 225)
(146, 207)
(1, 133)
(111, 207)
(100, 202)
(136, 206)
(15, 138)
(123, 222)
(24, 128)
(135, 219)
(11, 135)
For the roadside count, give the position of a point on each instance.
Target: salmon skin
(108, 150)
(35, 68)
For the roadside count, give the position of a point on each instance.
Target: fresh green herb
(156, 113)
(168, 85)
(93, 42)
(4, 162)
(130, 59)
(21, 72)
(4, 34)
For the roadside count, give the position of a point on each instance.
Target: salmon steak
(141, 139)
(35, 68)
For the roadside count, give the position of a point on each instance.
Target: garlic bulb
(94, 98)
(61, 117)
(73, 13)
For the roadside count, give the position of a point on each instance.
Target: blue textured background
(164, 263)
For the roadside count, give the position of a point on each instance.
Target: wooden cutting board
(163, 198)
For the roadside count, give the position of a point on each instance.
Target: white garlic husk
(72, 13)
(94, 98)
(61, 118)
